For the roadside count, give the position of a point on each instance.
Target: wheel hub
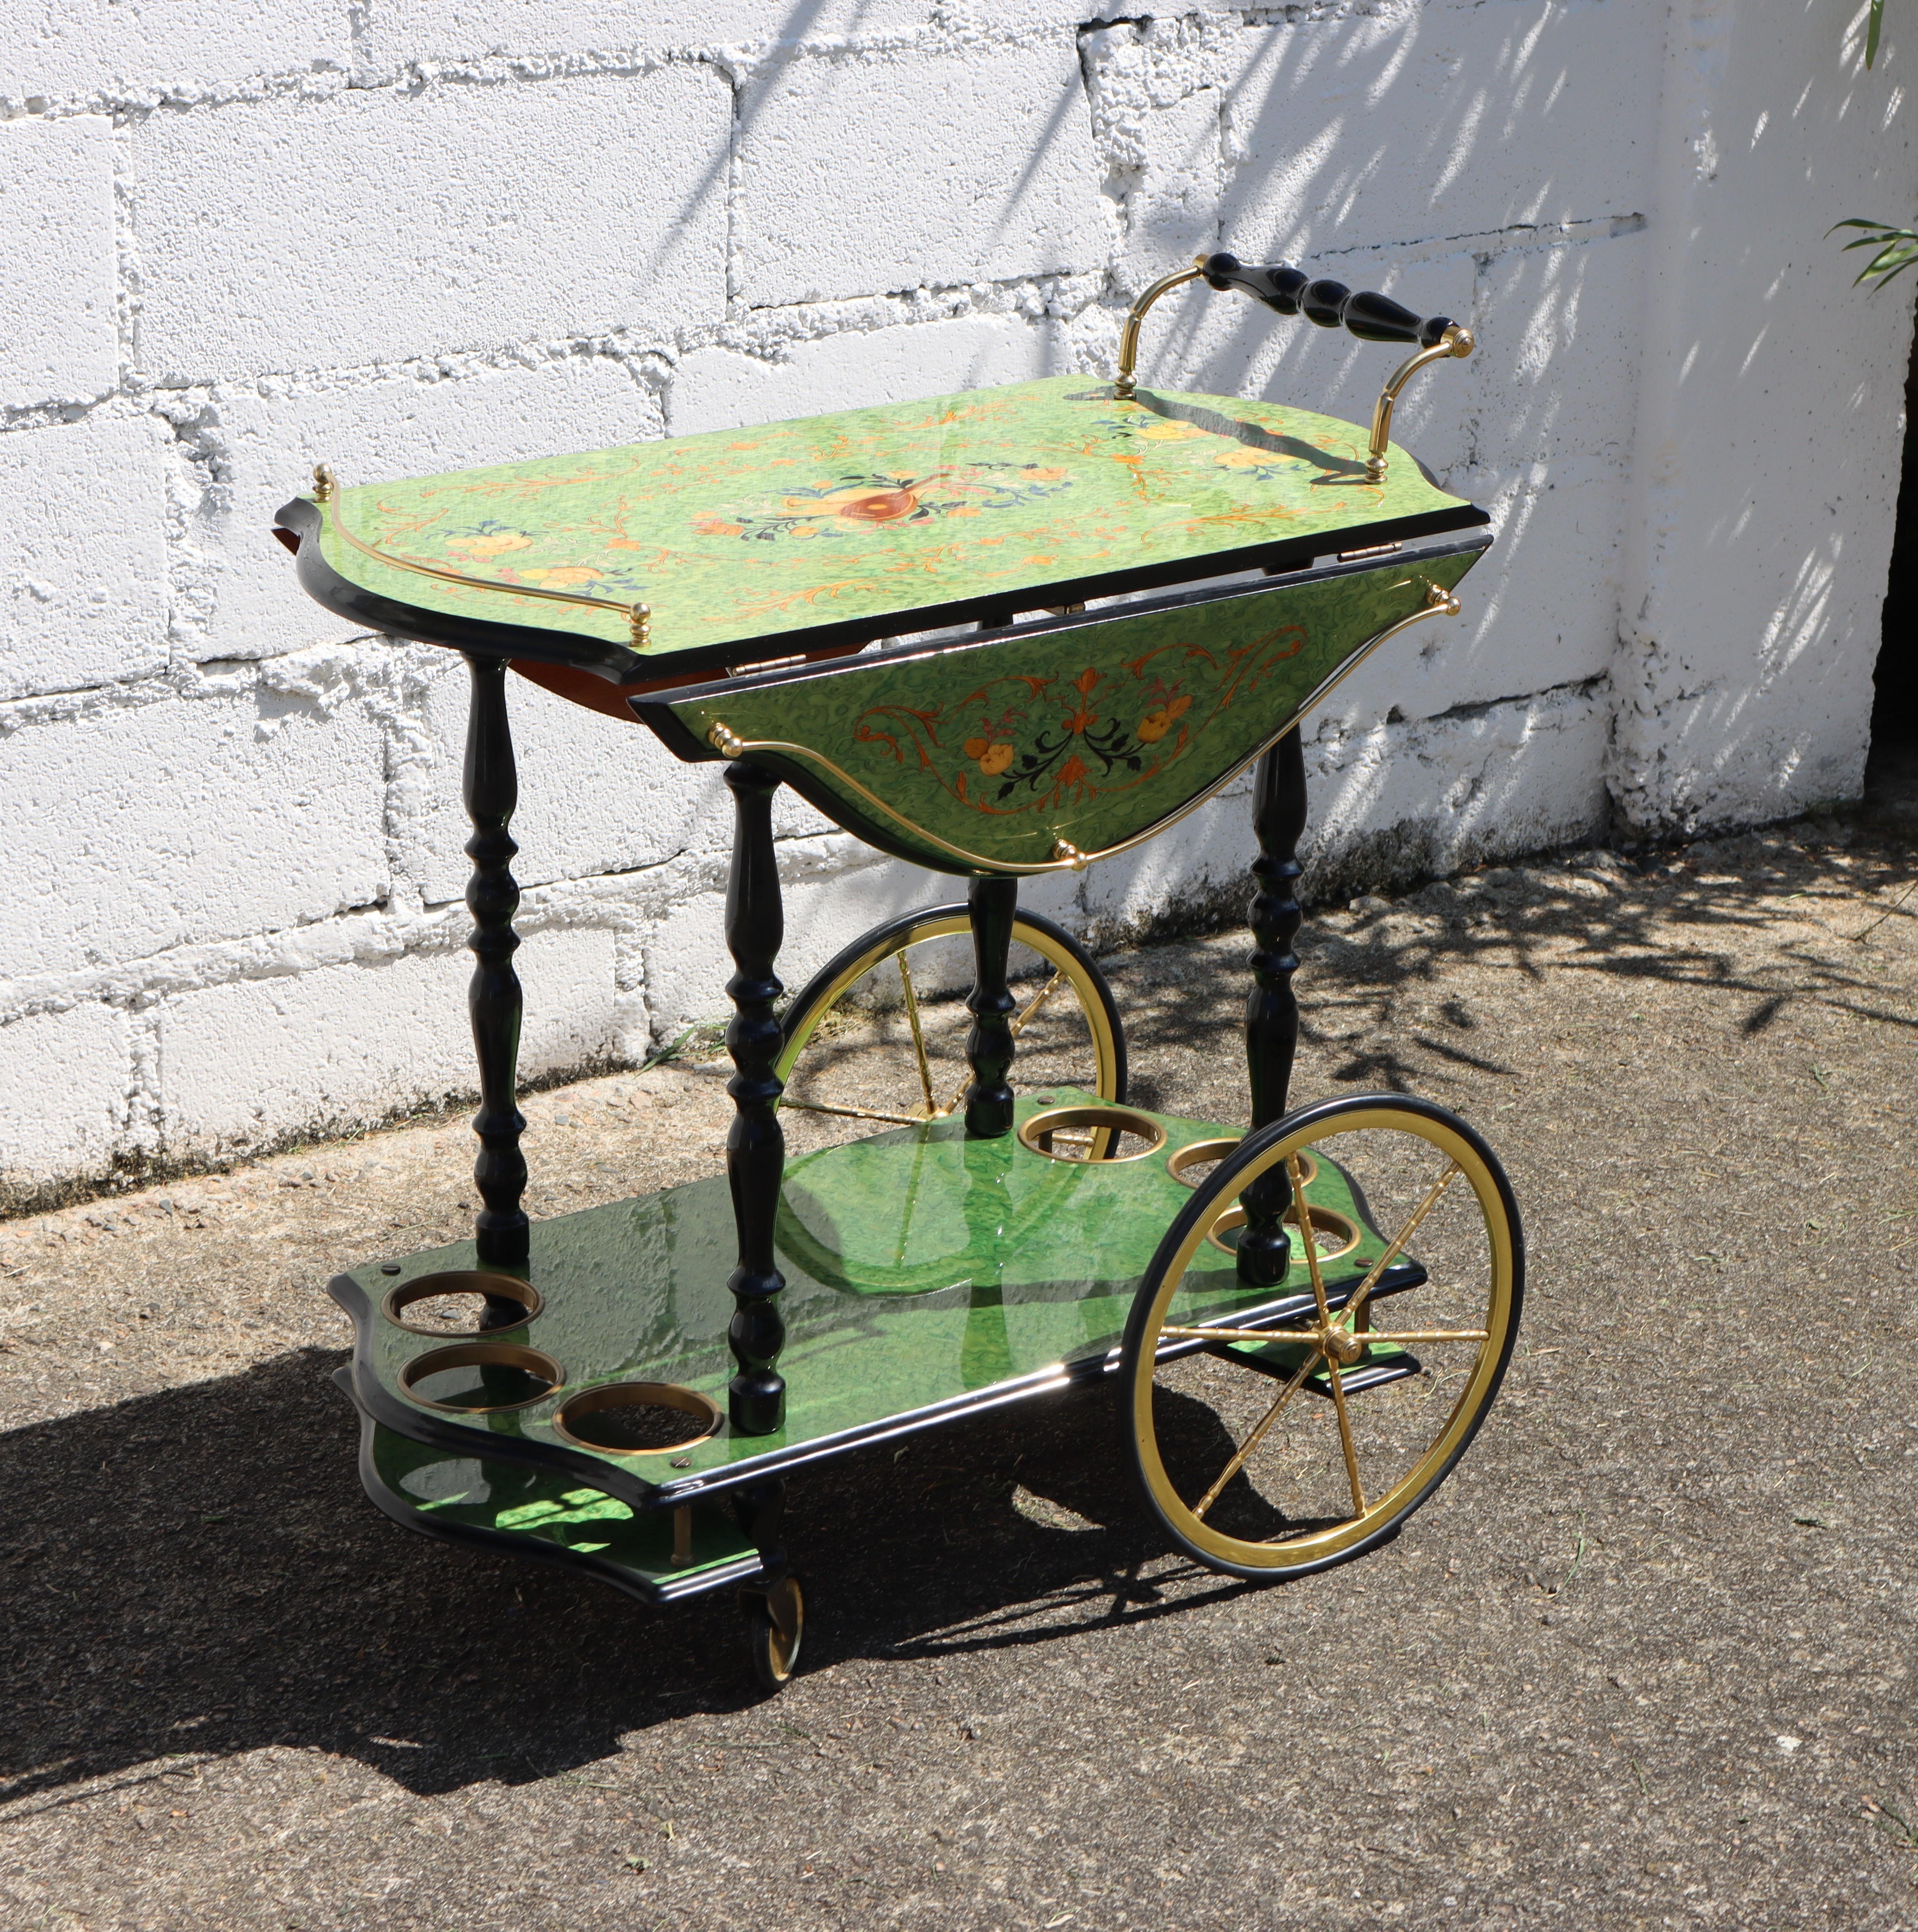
(1344, 1347)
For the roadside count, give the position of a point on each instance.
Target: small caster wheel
(775, 1625)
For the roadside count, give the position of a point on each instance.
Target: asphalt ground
(1644, 1661)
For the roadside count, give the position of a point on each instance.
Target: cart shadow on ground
(197, 1572)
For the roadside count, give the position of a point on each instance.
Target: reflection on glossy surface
(464, 1492)
(1108, 724)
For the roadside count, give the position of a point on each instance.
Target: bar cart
(1001, 635)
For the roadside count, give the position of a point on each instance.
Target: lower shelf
(552, 1519)
(927, 1275)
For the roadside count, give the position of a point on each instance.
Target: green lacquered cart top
(921, 1269)
(894, 517)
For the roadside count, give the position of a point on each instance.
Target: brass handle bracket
(1288, 291)
(1457, 341)
(1122, 383)
(1440, 602)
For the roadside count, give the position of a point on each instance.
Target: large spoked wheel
(879, 1032)
(1279, 1429)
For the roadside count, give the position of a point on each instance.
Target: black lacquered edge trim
(379, 1403)
(1076, 1371)
(345, 599)
(439, 1432)
(531, 1549)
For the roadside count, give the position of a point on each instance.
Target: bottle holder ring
(637, 1418)
(506, 1376)
(1333, 1235)
(1090, 1134)
(1182, 1165)
(490, 1290)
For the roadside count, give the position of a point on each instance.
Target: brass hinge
(765, 664)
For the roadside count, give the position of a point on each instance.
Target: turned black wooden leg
(500, 1233)
(1271, 1012)
(760, 1509)
(755, 1147)
(989, 1046)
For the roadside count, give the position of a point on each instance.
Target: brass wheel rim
(932, 1101)
(1370, 1514)
(782, 1647)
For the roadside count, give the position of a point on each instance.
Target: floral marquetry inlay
(1081, 734)
(1020, 742)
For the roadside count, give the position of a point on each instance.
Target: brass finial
(642, 626)
(325, 483)
(1066, 852)
(728, 743)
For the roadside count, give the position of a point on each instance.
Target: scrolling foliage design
(1019, 743)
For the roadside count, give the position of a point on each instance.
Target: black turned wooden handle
(1372, 318)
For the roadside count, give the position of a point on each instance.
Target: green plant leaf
(1872, 32)
(1897, 248)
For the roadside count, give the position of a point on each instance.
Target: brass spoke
(1245, 1334)
(1306, 1335)
(1332, 1375)
(1039, 999)
(911, 1202)
(1430, 1334)
(918, 1037)
(853, 1113)
(1258, 1435)
(1357, 1303)
(1304, 1226)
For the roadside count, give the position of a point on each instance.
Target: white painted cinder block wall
(406, 235)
